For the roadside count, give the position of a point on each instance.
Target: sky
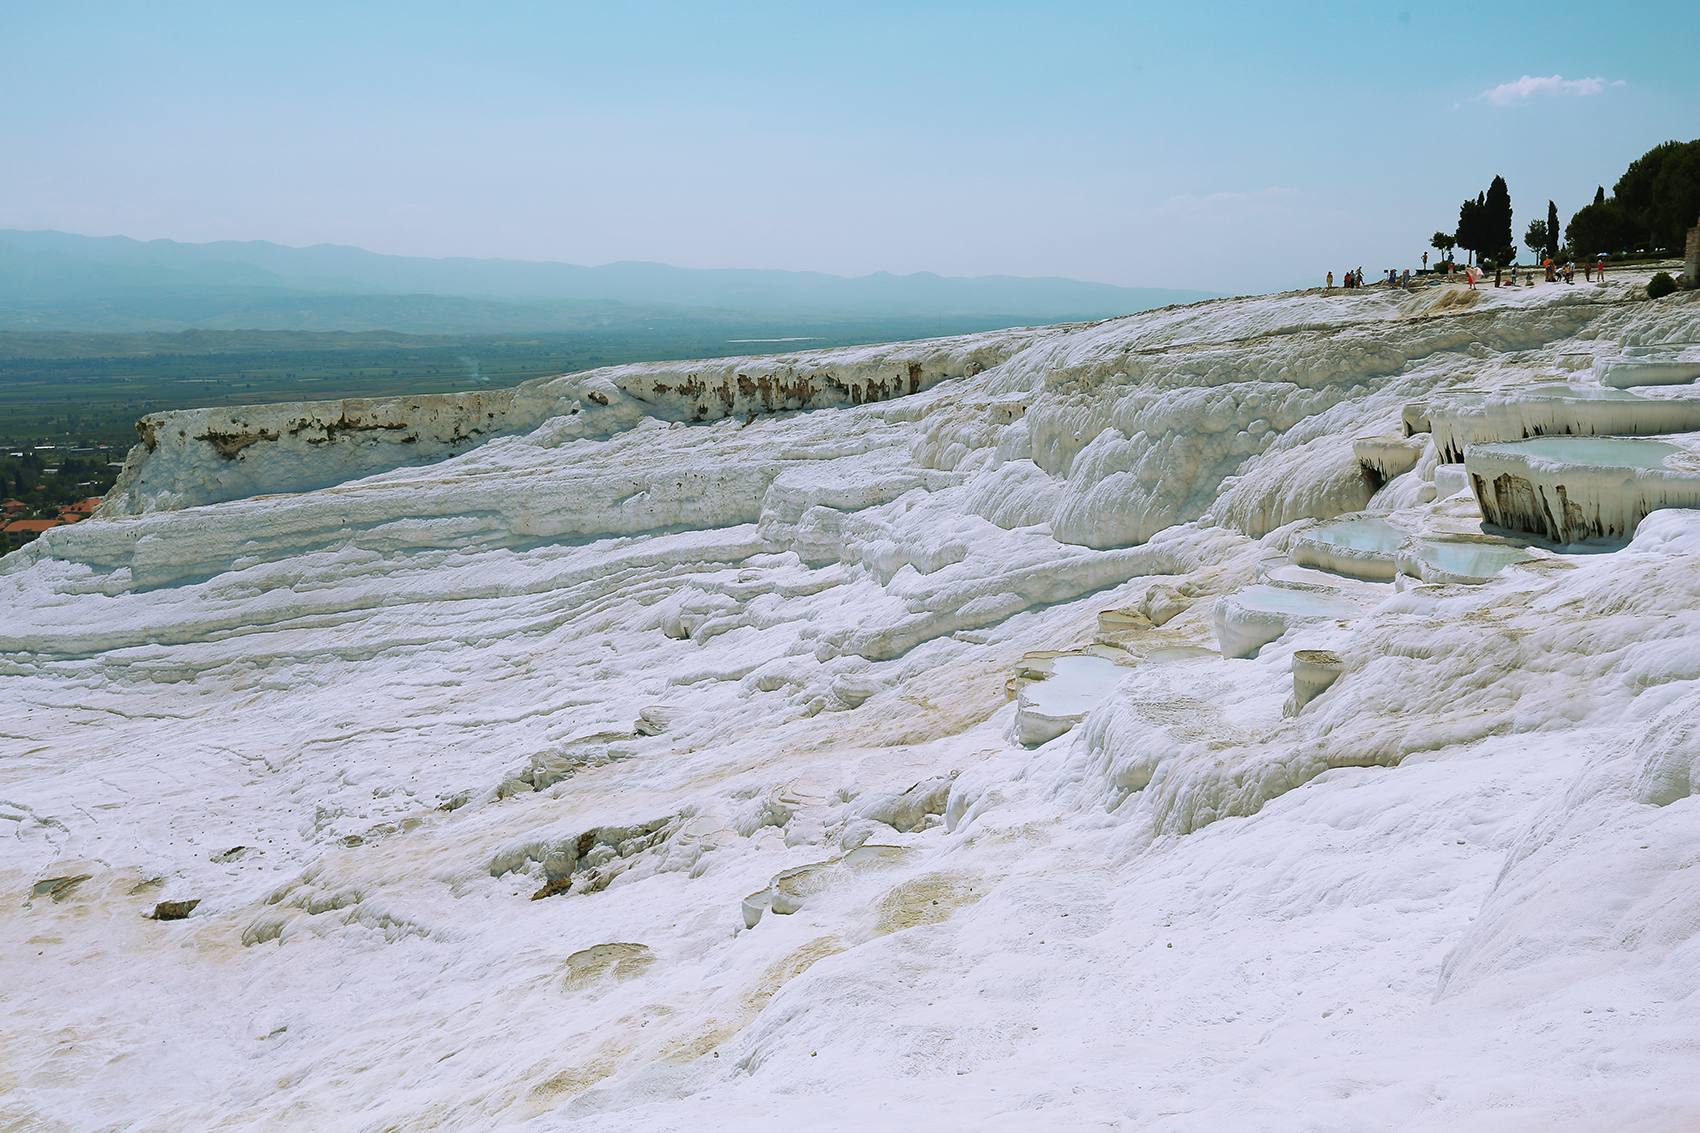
(1219, 146)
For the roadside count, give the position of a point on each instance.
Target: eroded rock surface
(727, 661)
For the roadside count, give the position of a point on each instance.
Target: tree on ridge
(1536, 237)
(1469, 235)
(1652, 206)
(1497, 242)
(1660, 194)
(1598, 229)
(1484, 224)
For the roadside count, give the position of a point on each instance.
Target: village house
(23, 530)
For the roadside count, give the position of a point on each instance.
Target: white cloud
(1525, 88)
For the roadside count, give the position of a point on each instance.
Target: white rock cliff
(642, 749)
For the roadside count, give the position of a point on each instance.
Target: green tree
(1553, 230)
(1598, 228)
(1536, 237)
(1676, 196)
(1443, 242)
(1660, 194)
(1497, 242)
(1471, 234)
(1484, 224)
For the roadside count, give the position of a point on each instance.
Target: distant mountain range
(55, 281)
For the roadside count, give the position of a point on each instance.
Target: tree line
(1650, 209)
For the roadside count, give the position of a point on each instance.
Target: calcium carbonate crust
(642, 749)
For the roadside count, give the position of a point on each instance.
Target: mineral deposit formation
(1277, 713)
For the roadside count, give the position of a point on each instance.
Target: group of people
(1356, 278)
(1554, 273)
(1590, 271)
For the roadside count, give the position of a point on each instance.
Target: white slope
(756, 658)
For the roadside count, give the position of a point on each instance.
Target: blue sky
(1220, 146)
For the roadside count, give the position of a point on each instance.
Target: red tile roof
(30, 525)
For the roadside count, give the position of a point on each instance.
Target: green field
(84, 390)
(69, 402)
(90, 401)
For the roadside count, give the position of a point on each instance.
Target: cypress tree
(1497, 241)
(1553, 230)
(1472, 229)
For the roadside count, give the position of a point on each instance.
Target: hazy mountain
(59, 281)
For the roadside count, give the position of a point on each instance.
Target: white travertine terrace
(1314, 670)
(1573, 489)
(1391, 454)
(1518, 414)
(1076, 684)
(1359, 546)
(645, 759)
(1462, 560)
(1450, 479)
(1655, 365)
(1251, 618)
